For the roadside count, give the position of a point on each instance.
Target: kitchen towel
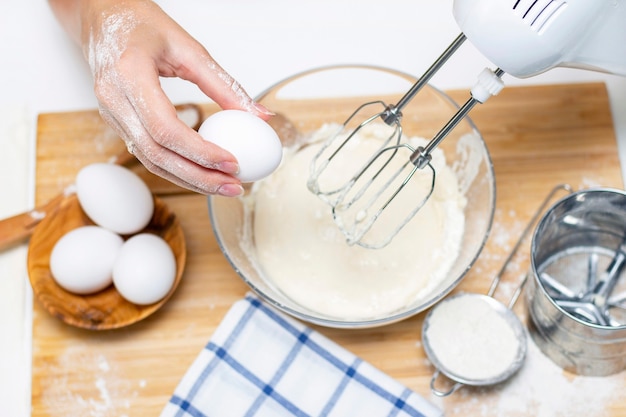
(262, 363)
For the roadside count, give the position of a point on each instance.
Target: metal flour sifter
(576, 293)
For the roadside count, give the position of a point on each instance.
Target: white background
(258, 42)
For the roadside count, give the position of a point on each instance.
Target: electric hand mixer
(524, 38)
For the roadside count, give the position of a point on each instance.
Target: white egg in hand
(82, 260)
(248, 138)
(145, 269)
(114, 197)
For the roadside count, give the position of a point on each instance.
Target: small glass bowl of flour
(473, 339)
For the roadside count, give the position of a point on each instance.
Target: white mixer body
(527, 37)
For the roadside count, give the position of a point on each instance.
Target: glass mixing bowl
(303, 103)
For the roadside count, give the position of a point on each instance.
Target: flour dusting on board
(507, 228)
(95, 388)
(539, 389)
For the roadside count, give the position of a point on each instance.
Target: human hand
(129, 44)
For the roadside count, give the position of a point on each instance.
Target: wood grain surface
(537, 136)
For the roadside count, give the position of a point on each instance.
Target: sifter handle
(438, 393)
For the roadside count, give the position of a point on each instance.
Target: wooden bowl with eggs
(105, 309)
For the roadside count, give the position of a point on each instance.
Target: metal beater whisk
(359, 201)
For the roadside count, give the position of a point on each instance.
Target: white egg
(145, 269)
(249, 138)
(114, 197)
(82, 260)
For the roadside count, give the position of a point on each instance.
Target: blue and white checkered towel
(261, 363)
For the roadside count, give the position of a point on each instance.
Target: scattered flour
(37, 215)
(539, 389)
(103, 52)
(506, 229)
(97, 388)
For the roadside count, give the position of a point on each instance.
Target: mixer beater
(359, 201)
(525, 38)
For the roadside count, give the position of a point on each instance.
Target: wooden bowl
(106, 309)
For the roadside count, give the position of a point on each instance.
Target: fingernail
(229, 167)
(230, 190)
(264, 110)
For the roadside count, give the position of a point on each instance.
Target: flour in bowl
(302, 252)
(471, 339)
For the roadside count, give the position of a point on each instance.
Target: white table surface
(42, 71)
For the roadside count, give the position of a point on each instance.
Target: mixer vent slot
(539, 14)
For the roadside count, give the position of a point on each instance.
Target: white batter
(302, 252)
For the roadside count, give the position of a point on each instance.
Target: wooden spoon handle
(14, 230)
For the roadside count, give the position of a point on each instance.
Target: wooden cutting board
(538, 137)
